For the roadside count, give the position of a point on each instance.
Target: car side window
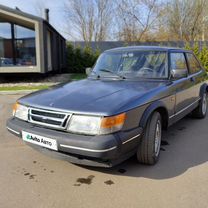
(194, 65)
(177, 61)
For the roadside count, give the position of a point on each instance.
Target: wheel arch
(156, 106)
(204, 88)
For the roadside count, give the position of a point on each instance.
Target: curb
(16, 92)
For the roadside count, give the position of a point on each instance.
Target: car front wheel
(149, 149)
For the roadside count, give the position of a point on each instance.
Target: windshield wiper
(114, 73)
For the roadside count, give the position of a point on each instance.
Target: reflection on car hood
(105, 97)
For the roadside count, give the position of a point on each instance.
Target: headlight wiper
(114, 73)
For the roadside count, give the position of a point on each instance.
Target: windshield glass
(143, 64)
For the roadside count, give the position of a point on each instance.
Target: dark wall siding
(58, 46)
(45, 48)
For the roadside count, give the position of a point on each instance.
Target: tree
(89, 20)
(186, 18)
(138, 18)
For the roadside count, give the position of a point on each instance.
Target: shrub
(79, 59)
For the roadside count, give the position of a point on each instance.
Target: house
(29, 44)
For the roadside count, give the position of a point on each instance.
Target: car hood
(103, 97)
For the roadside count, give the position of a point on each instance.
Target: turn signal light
(109, 122)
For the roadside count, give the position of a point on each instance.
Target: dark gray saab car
(130, 95)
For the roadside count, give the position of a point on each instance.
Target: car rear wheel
(149, 149)
(201, 110)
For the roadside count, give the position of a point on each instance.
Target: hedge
(79, 59)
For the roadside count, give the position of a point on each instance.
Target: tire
(201, 110)
(149, 149)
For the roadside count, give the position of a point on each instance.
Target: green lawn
(73, 77)
(78, 76)
(14, 88)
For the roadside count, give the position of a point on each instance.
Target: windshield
(142, 64)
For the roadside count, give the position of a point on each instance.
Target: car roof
(154, 48)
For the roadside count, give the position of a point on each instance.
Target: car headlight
(20, 111)
(96, 125)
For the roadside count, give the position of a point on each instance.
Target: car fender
(149, 110)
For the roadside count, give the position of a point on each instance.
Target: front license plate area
(39, 140)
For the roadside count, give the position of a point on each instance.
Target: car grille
(48, 118)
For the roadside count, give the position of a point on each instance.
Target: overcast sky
(57, 17)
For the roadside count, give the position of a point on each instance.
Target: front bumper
(100, 150)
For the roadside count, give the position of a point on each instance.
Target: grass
(73, 77)
(14, 88)
(78, 76)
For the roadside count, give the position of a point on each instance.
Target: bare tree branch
(138, 16)
(91, 19)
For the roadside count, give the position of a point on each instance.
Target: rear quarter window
(194, 65)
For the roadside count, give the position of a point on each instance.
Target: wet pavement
(30, 179)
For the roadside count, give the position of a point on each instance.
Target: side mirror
(179, 73)
(88, 71)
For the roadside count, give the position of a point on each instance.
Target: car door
(183, 87)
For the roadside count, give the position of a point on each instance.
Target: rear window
(194, 65)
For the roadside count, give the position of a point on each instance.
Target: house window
(17, 45)
(6, 48)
